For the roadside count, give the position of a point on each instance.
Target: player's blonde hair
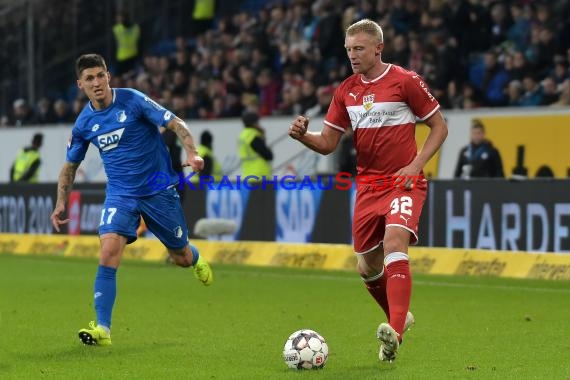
(366, 26)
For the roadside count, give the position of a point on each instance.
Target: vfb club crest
(368, 101)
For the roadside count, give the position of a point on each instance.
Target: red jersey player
(380, 102)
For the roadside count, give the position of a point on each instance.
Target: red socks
(398, 289)
(376, 286)
(392, 289)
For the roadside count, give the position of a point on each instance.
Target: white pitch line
(446, 284)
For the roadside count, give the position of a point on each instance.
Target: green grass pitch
(167, 325)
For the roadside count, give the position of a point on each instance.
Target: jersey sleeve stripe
(430, 113)
(334, 126)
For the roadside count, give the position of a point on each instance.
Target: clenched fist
(298, 127)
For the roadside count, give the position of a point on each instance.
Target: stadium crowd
(286, 58)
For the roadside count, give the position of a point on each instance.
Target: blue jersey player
(124, 125)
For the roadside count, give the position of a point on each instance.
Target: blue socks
(106, 290)
(195, 254)
(105, 293)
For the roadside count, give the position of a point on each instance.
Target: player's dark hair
(87, 61)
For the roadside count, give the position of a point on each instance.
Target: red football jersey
(382, 112)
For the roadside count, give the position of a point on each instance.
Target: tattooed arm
(179, 127)
(64, 185)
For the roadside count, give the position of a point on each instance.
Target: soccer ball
(305, 349)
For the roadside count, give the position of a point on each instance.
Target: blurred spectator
(78, 105)
(179, 85)
(254, 153)
(61, 112)
(518, 32)
(295, 60)
(454, 99)
(181, 58)
(202, 16)
(514, 93)
(549, 92)
(480, 158)
(349, 16)
(268, 92)
(287, 104)
(44, 112)
(27, 164)
(328, 33)
(308, 96)
(416, 55)
(404, 16)
(564, 99)
(21, 114)
(211, 165)
(126, 34)
(494, 81)
(192, 106)
(250, 102)
(248, 80)
(560, 72)
(179, 106)
(544, 15)
(324, 96)
(516, 65)
(400, 53)
(532, 91)
(501, 23)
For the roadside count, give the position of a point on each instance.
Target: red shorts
(375, 209)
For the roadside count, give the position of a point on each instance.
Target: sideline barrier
(426, 260)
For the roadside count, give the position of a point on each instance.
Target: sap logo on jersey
(110, 140)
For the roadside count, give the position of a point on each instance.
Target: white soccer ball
(305, 349)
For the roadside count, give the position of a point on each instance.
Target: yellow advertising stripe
(446, 261)
(13, 243)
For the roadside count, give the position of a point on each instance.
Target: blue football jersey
(128, 138)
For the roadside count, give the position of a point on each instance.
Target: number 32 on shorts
(401, 205)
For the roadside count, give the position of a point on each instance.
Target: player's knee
(365, 270)
(110, 253)
(394, 245)
(110, 257)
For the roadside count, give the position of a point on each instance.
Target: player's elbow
(328, 146)
(176, 123)
(444, 132)
(326, 151)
